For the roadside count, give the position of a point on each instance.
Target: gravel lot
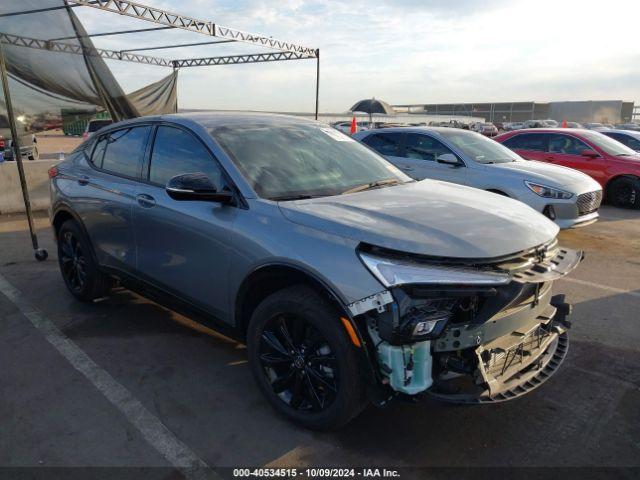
(170, 394)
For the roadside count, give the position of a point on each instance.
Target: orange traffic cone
(564, 124)
(354, 125)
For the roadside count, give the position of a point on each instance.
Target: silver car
(349, 282)
(467, 158)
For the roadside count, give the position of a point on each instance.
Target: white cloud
(404, 52)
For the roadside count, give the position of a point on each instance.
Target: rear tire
(77, 265)
(624, 192)
(35, 154)
(303, 361)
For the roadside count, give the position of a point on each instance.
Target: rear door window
(385, 143)
(121, 151)
(627, 140)
(536, 142)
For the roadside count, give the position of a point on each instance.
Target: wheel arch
(499, 192)
(269, 278)
(63, 213)
(619, 176)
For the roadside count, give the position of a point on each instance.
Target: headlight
(547, 192)
(394, 272)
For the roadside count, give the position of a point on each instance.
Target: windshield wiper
(285, 198)
(376, 184)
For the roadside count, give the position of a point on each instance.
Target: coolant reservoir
(410, 366)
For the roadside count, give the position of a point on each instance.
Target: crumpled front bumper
(514, 364)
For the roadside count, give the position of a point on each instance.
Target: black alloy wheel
(303, 360)
(73, 262)
(624, 192)
(78, 266)
(299, 364)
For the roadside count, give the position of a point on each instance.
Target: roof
(213, 119)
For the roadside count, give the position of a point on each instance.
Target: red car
(615, 166)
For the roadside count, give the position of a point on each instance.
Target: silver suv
(349, 282)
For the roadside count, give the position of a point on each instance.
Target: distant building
(603, 111)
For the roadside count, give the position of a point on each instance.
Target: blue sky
(408, 51)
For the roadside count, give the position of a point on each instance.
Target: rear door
(183, 247)
(106, 194)
(389, 145)
(420, 153)
(531, 146)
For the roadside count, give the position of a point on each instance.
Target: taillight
(53, 172)
(3, 143)
(85, 135)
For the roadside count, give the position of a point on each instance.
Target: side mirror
(197, 186)
(449, 159)
(590, 153)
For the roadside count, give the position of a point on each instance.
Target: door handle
(83, 180)
(146, 201)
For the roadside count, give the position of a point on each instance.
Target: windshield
(295, 160)
(609, 145)
(480, 148)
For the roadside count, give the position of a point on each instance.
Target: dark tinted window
(98, 152)
(175, 152)
(384, 143)
(95, 125)
(567, 145)
(627, 140)
(123, 151)
(530, 141)
(423, 147)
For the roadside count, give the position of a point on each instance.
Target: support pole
(40, 253)
(317, 81)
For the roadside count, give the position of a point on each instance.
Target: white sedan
(567, 196)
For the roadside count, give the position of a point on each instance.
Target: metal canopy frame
(281, 51)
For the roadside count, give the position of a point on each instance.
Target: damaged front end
(467, 331)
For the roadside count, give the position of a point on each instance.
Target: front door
(183, 246)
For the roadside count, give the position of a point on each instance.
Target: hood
(429, 218)
(550, 175)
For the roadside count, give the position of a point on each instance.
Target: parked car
(593, 126)
(28, 142)
(94, 125)
(629, 138)
(613, 165)
(348, 281)
(538, 124)
(28, 147)
(574, 125)
(628, 126)
(568, 197)
(514, 126)
(486, 129)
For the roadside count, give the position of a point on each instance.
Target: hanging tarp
(43, 82)
(157, 98)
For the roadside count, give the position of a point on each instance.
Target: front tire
(77, 266)
(624, 192)
(303, 361)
